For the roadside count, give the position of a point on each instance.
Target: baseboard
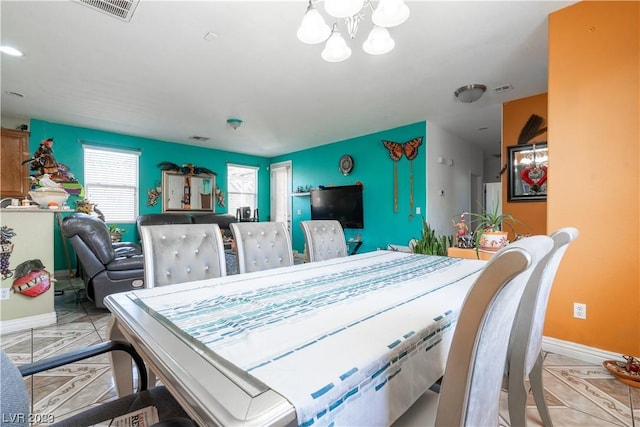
(16, 325)
(577, 351)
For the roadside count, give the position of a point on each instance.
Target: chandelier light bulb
(390, 13)
(343, 8)
(336, 49)
(313, 29)
(379, 41)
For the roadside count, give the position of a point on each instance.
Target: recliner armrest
(128, 251)
(122, 263)
(127, 245)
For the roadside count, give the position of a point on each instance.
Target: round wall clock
(346, 164)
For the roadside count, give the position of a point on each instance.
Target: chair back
(324, 239)
(524, 356)
(14, 400)
(177, 253)
(90, 238)
(526, 335)
(470, 393)
(262, 245)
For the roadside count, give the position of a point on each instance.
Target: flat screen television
(342, 203)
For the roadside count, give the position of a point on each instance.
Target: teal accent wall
(67, 149)
(375, 170)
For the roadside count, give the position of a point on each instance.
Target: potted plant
(488, 232)
(429, 243)
(115, 232)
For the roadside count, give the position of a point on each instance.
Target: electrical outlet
(418, 210)
(5, 293)
(579, 310)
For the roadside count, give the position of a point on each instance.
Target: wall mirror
(187, 192)
(527, 177)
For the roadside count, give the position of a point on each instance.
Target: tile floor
(578, 393)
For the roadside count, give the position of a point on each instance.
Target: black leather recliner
(107, 267)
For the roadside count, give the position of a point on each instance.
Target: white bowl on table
(49, 196)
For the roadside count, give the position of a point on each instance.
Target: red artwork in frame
(528, 167)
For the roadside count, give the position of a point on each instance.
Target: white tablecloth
(351, 341)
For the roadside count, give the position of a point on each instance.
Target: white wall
(492, 167)
(12, 122)
(454, 180)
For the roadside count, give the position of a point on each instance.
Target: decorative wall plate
(346, 164)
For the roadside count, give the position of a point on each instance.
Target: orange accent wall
(532, 215)
(594, 179)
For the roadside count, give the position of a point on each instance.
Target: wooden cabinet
(14, 149)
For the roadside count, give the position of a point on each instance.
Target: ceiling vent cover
(121, 9)
(198, 138)
(503, 88)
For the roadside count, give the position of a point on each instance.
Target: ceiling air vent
(503, 88)
(121, 9)
(199, 138)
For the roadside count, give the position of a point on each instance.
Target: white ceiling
(157, 77)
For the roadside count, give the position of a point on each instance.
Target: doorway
(281, 193)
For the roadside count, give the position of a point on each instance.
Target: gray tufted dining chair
(176, 253)
(262, 245)
(524, 358)
(324, 239)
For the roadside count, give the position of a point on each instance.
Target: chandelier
(314, 29)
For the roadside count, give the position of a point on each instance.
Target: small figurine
(43, 160)
(46, 181)
(461, 225)
(463, 238)
(84, 206)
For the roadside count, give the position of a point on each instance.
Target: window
(242, 183)
(111, 182)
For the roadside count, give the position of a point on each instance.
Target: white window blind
(242, 182)
(111, 182)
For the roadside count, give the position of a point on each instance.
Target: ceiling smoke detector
(470, 93)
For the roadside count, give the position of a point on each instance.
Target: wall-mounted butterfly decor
(409, 148)
(396, 150)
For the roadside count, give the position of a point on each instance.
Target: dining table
(351, 341)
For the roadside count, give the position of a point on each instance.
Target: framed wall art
(527, 172)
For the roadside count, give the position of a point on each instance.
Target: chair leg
(517, 398)
(537, 388)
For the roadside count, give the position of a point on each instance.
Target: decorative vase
(116, 237)
(493, 240)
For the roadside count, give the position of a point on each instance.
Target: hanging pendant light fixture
(313, 29)
(342, 8)
(336, 49)
(379, 41)
(390, 13)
